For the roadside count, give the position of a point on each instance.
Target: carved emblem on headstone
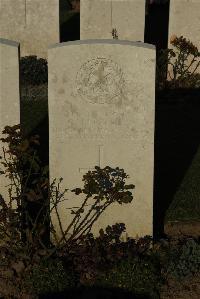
(100, 81)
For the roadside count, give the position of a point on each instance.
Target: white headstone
(9, 98)
(101, 112)
(99, 17)
(33, 23)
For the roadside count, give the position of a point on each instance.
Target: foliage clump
(183, 259)
(136, 269)
(184, 62)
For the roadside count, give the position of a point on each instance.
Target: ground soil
(184, 289)
(186, 228)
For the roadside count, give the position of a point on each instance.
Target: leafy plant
(28, 180)
(94, 258)
(94, 255)
(185, 260)
(183, 59)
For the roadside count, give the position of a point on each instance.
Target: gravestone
(101, 113)
(9, 98)
(35, 24)
(99, 17)
(184, 19)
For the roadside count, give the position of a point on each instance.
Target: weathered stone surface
(184, 19)
(35, 24)
(101, 112)
(9, 97)
(99, 17)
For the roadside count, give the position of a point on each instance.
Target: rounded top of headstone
(9, 42)
(103, 41)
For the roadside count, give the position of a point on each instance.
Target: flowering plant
(182, 64)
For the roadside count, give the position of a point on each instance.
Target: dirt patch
(184, 289)
(185, 229)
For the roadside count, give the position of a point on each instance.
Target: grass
(176, 168)
(186, 202)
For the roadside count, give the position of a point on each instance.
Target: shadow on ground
(94, 293)
(177, 138)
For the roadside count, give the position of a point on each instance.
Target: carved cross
(100, 161)
(25, 7)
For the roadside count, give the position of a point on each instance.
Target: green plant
(94, 258)
(185, 260)
(182, 60)
(28, 181)
(33, 70)
(95, 255)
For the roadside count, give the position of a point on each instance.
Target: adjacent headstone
(184, 20)
(101, 112)
(99, 17)
(9, 98)
(35, 24)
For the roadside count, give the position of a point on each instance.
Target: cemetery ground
(177, 190)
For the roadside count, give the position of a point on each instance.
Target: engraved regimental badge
(100, 81)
